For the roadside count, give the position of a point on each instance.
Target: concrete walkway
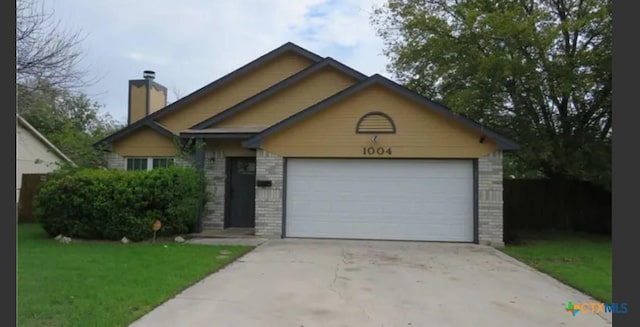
(254, 241)
(365, 283)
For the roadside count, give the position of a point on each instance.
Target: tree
(70, 120)
(48, 78)
(177, 94)
(538, 70)
(44, 51)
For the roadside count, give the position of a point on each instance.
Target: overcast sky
(190, 43)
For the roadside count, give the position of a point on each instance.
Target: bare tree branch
(45, 51)
(177, 94)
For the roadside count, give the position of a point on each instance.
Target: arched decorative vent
(376, 122)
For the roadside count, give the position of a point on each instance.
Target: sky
(191, 43)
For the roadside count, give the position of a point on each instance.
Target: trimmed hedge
(111, 204)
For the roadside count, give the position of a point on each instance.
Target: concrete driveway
(310, 283)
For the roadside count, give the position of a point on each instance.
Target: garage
(384, 199)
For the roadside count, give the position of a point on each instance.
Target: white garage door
(422, 200)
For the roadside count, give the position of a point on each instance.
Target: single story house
(299, 145)
(34, 153)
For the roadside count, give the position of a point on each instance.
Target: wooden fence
(544, 205)
(30, 185)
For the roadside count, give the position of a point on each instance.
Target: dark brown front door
(241, 192)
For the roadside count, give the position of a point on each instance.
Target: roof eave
(218, 135)
(508, 146)
(287, 47)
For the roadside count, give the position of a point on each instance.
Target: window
(148, 163)
(246, 168)
(162, 162)
(137, 164)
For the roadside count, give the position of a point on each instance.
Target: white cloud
(193, 42)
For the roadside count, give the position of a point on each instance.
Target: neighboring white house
(34, 153)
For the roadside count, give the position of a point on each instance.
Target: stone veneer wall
(184, 161)
(490, 216)
(215, 174)
(115, 161)
(269, 199)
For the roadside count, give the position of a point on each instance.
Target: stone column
(215, 174)
(269, 199)
(490, 217)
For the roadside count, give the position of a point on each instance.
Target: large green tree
(70, 120)
(538, 70)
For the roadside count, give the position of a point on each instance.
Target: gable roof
(161, 129)
(502, 142)
(291, 80)
(147, 121)
(43, 139)
(237, 132)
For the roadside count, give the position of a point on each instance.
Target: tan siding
(145, 143)
(230, 148)
(157, 99)
(236, 91)
(305, 93)
(420, 133)
(137, 100)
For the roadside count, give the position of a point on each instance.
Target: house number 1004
(370, 151)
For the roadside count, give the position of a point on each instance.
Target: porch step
(225, 233)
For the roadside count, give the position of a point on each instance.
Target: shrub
(111, 204)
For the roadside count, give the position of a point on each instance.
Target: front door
(241, 192)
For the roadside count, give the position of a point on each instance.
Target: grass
(105, 284)
(579, 260)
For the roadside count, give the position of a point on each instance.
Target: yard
(581, 261)
(105, 283)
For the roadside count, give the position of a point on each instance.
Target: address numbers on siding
(376, 151)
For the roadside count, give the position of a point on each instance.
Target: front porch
(239, 203)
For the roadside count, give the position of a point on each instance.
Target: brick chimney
(145, 96)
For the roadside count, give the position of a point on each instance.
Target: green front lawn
(102, 283)
(581, 261)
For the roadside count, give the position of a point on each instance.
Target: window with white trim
(148, 163)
